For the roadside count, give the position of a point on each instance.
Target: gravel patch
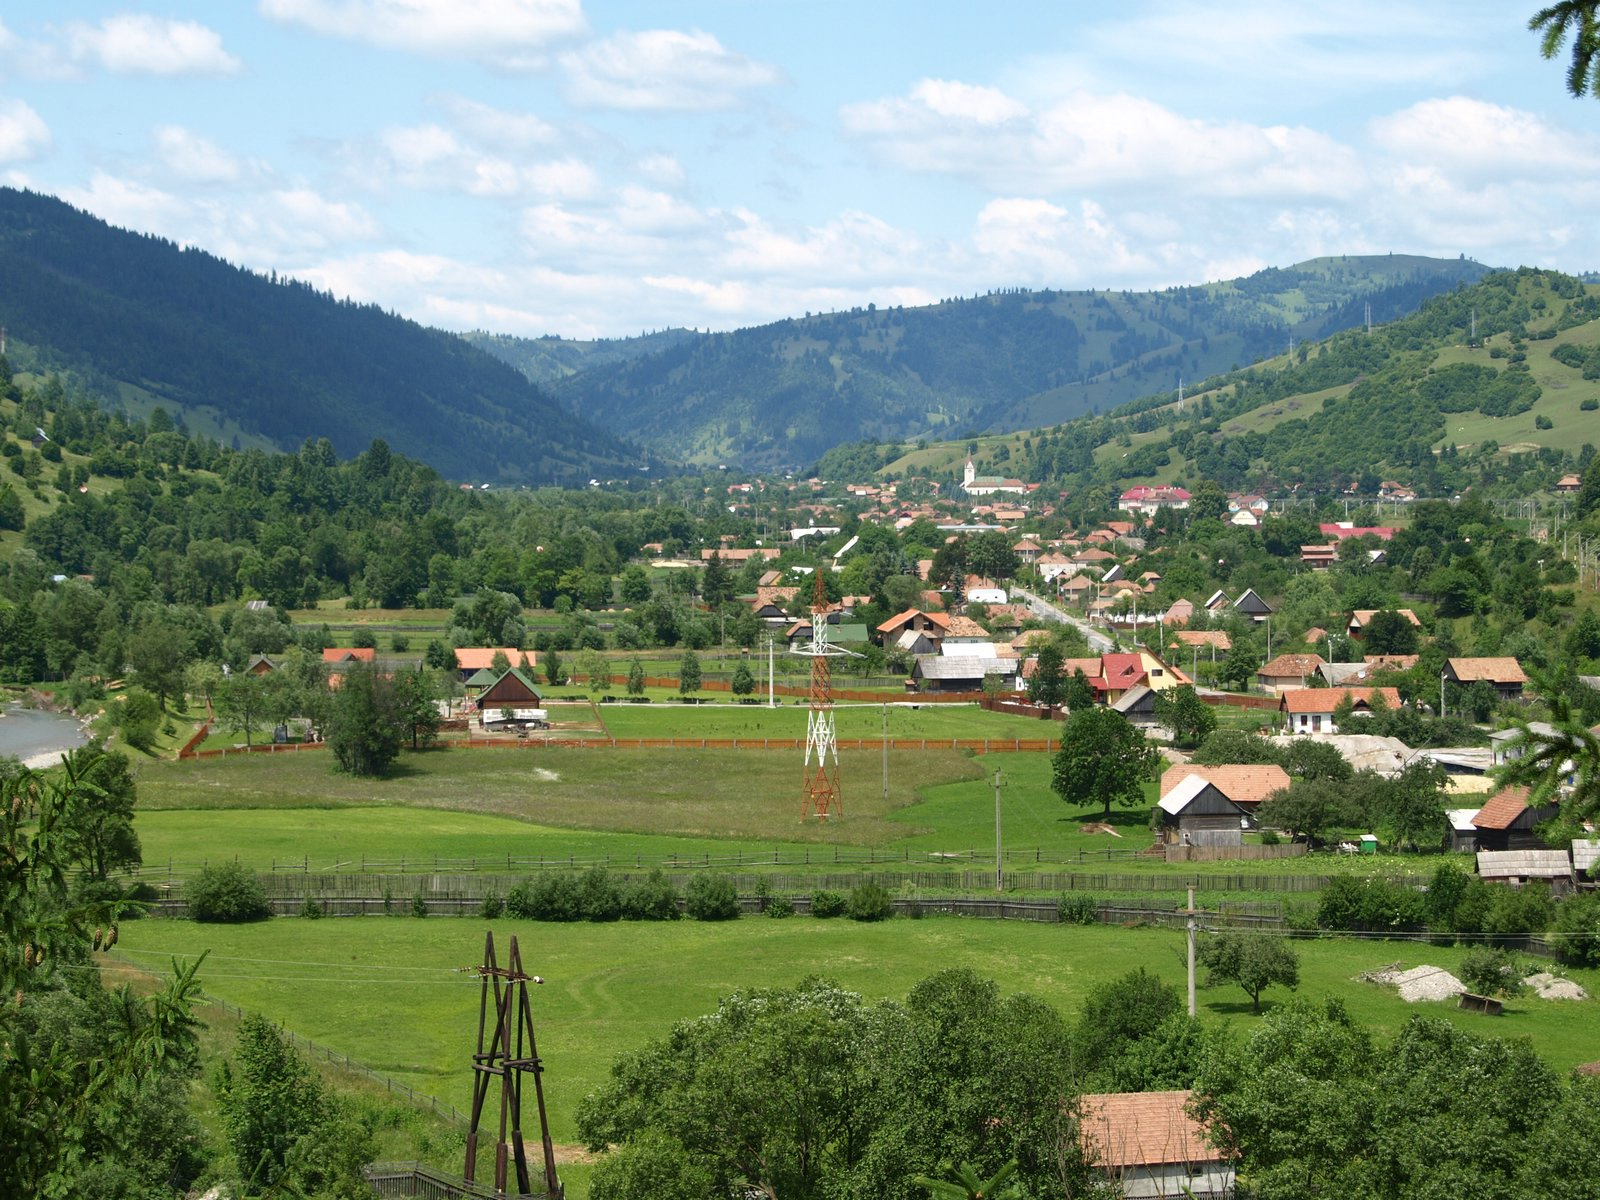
(1553, 987)
(1424, 982)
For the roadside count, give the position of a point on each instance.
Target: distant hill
(142, 320)
(783, 394)
(1494, 384)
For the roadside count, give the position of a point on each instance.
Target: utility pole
(999, 860)
(772, 694)
(1191, 927)
(886, 754)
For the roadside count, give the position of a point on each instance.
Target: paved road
(1099, 643)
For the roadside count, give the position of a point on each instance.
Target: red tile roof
(1135, 1129)
(339, 654)
(1503, 808)
(1241, 783)
(1495, 670)
(1325, 700)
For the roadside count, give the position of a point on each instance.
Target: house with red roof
(1149, 499)
(1310, 710)
(1145, 1144)
(1506, 822)
(1505, 674)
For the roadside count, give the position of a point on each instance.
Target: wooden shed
(1517, 867)
(1196, 812)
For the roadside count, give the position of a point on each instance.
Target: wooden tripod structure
(507, 1052)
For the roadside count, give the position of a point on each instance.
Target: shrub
(1519, 910)
(869, 902)
(311, 908)
(1490, 972)
(491, 906)
(827, 904)
(652, 898)
(400, 642)
(711, 898)
(550, 897)
(599, 896)
(1269, 837)
(1371, 905)
(227, 894)
(419, 904)
(1078, 908)
(779, 906)
(1578, 923)
(1588, 405)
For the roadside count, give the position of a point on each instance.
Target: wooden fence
(406, 1179)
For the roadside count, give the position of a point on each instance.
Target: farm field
(393, 992)
(632, 805)
(906, 719)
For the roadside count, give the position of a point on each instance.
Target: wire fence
(327, 1054)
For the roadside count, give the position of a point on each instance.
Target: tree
(285, 1131)
(553, 668)
(1255, 961)
(716, 587)
(1045, 685)
(1390, 632)
(1581, 20)
(12, 515)
(743, 682)
(1076, 693)
(241, 704)
(1413, 804)
(635, 684)
(1309, 808)
(158, 652)
(103, 794)
(596, 670)
(365, 723)
(1181, 710)
(689, 674)
(1103, 759)
(1121, 1012)
(417, 701)
(1225, 746)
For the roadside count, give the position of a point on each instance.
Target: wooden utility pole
(1190, 923)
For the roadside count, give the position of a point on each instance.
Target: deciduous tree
(1103, 759)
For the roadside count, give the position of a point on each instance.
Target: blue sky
(604, 169)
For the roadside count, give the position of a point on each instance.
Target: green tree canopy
(1104, 759)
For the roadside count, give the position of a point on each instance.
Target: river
(36, 736)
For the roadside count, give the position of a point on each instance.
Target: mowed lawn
(395, 993)
(905, 720)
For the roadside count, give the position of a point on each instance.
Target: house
(1517, 867)
(1195, 812)
(513, 699)
(1053, 565)
(1028, 551)
(1339, 530)
(1137, 705)
(931, 626)
(1288, 671)
(1503, 674)
(1463, 833)
(343, 656)
(1121, 672)
(1310, 710)
(1179, 614)
(1246, 785)
(1217, 639)
(979, 590)
(1217, 601)
(1362, 617)
(260, 664)
(1344, 674)
(1506, 822)
(1147, 1145)
(1319, 556)
(1569, 484)
(1149, 500)
(771, 604)
(1252, 606)
(730, 556)
(472, 659)
(950, 673)
(1078, 588)
(1507, 744)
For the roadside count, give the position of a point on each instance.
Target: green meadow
(396, 994)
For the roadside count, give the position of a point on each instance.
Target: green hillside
(781, 395)
(1419, 400)
(141, 322)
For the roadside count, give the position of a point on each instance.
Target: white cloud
(432, 158)
(1476, 139)
(195, 159)
(23, 133)
(497, 127)
(662, 169)
(1092, 140)
(662, 69)
(512, 34)
(138, 44)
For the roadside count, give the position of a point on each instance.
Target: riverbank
(39, 737)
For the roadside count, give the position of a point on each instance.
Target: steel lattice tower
(819, 789)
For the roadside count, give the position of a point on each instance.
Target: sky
(593, 169)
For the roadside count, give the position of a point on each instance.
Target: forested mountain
(783, 394)
(1481, 384)
(142, 320)
(548, 360)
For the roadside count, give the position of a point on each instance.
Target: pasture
(395, 993)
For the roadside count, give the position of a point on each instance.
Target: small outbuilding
(1196, 812)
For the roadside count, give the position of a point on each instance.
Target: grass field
(392, 992)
